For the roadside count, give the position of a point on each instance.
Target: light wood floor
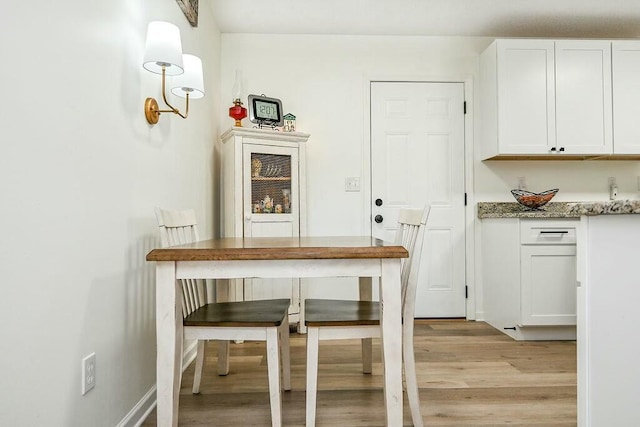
(469, 375)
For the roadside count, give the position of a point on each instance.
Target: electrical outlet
(522, 183)
(613, 188)
(88, 373)
(352, 184)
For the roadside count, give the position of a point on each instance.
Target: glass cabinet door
(270, 191)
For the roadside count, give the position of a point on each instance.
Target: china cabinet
(529, 277)
(263, 195)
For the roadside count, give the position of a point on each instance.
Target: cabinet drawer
(548, 232)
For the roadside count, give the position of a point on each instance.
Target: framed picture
(190, 9)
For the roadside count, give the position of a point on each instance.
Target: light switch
(352, 183)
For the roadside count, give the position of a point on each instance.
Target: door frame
(470, 229)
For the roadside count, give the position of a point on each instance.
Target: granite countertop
(558, 209)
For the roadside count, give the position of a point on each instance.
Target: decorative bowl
(533, 201)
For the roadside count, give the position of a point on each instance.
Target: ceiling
(488, 18)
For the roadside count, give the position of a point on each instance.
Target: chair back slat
(410, 234)
(179, 228)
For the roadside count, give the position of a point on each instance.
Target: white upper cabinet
(626, 96)
(517, 95)
(525, 96)
(583, 97)
(541, 98)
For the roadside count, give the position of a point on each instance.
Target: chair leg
(312, 375)
(367, 361)
(273, 366)
(366, 292)
(197, 376)
(223, 357)
(285, 353)
(410, 375)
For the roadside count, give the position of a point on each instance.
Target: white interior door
(417, 158)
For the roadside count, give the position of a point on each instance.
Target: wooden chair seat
(244, 313)
(328, 312)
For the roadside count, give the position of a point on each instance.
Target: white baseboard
(139, 413)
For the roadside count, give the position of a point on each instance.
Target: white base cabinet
(529, 277)
(548, 285)
(263, 195)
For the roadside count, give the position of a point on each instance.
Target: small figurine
(289, 123)
(256, 168)
(268, 204)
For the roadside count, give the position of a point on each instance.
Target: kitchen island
(608, 340)
(607, 262)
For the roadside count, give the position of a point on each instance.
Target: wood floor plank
(469, 374)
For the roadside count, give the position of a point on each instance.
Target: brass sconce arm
(152, 110)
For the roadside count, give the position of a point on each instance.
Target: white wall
(321, 79)
(80, 174)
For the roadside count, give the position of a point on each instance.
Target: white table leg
(391, 326)
(169, 343)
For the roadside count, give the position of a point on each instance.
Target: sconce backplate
(151, 111)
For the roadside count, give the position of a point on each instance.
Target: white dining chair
(258, 320)
(344, 319)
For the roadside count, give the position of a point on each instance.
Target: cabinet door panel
(271, 229)
(548, 280)
(526, 109)
(583, 97)
(626, 93)
(271, 176)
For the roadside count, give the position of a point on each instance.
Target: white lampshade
(191, 81)
(163, 47)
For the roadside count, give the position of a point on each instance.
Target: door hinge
(465, 107)
(466, 292)
(465, 199)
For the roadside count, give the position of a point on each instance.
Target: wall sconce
(163, 55)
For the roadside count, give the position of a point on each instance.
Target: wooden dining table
(296, 257)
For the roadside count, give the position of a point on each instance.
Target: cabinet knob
(561, 149)
(247, 217)
(553, 149)
(378, 219)
(378, 202)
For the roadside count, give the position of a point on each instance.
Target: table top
(280, 248)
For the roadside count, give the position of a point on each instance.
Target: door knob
(378, 202)
(378, 219)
